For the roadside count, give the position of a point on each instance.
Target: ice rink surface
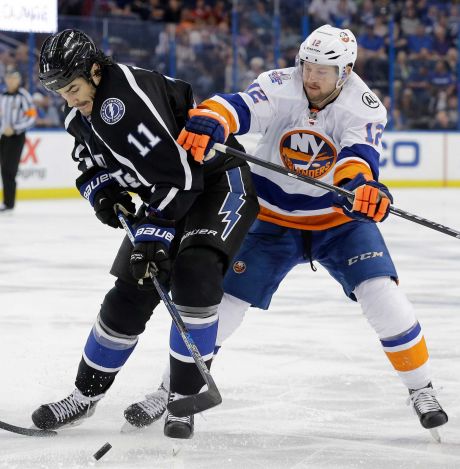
(304, 385)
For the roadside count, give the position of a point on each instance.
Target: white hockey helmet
(330, 46)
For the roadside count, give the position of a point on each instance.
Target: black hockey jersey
(136, 117)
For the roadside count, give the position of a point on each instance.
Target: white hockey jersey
(333, 144)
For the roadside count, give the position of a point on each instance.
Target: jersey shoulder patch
(360, 101)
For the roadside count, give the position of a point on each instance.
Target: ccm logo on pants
(363, 257)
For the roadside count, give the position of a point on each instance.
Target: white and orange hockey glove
(371, 203)
(201, 132)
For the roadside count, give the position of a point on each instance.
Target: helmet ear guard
(64, 57)
(330, 46)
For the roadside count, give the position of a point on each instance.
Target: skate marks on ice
(305, 385)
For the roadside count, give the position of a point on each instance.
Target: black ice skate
(178, 427)
(428, 409)
(69, 411)
(143, 413)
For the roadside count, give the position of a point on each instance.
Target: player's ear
(95, 73)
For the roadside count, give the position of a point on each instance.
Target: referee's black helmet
(65, 56)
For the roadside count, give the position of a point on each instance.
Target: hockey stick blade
(196, 403)
(27, 431)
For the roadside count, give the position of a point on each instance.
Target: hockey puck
(101, 451)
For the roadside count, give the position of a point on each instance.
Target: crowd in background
(193, 40)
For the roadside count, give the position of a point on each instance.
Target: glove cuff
(148, 232)
(89, 186)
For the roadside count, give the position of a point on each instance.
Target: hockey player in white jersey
(321, 120)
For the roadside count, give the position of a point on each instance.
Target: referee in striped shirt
(17, 114)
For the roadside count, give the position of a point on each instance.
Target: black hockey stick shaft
(331, 188)
(197, 402)
(27, 431)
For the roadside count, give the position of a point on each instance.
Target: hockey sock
(392, 316)
(185, 376)
(104, 355)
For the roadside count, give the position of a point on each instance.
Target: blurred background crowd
(408, 50)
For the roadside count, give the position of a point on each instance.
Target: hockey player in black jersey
(125, 121)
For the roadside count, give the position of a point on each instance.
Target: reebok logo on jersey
(363, 257)
(112, 110)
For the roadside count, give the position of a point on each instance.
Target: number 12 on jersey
(371, 137)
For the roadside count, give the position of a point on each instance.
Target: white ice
(304, 385)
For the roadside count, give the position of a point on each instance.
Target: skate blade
(435, 434)
(128, 428)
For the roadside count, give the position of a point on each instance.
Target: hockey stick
(331, 188)
(197, 402)
(26, 431)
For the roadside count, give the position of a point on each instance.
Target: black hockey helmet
(65, 56)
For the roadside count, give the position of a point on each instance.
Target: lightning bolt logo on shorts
(233, 201)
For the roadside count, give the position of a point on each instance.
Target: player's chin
(85, 109)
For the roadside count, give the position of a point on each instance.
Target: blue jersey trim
(365, 152)
(274, 195)
(241, 108)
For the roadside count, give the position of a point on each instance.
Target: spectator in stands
(442, 122)
(441, 77)
(367, 12)
(453, 20)
(402, 70)
(418, 41)
(47, 112)
(157, 11)
(409, 20)
(256, 67)
(373, 62)
(413, 114)
(321, 11)
(419, 83)
(342, 15)
(260, 19)
(173, 12)
(202, 12)
(441, 42)
(452, 109)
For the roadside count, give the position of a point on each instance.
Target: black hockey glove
(103, 193)
(152, 240)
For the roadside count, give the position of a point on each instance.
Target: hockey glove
(152, 239)
(201, 132)
(103, 193)
(371, 203)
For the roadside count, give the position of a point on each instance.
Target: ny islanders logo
(307, 153)
(112, 110)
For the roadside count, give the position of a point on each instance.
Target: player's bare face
(319, 80)
(79, 94)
